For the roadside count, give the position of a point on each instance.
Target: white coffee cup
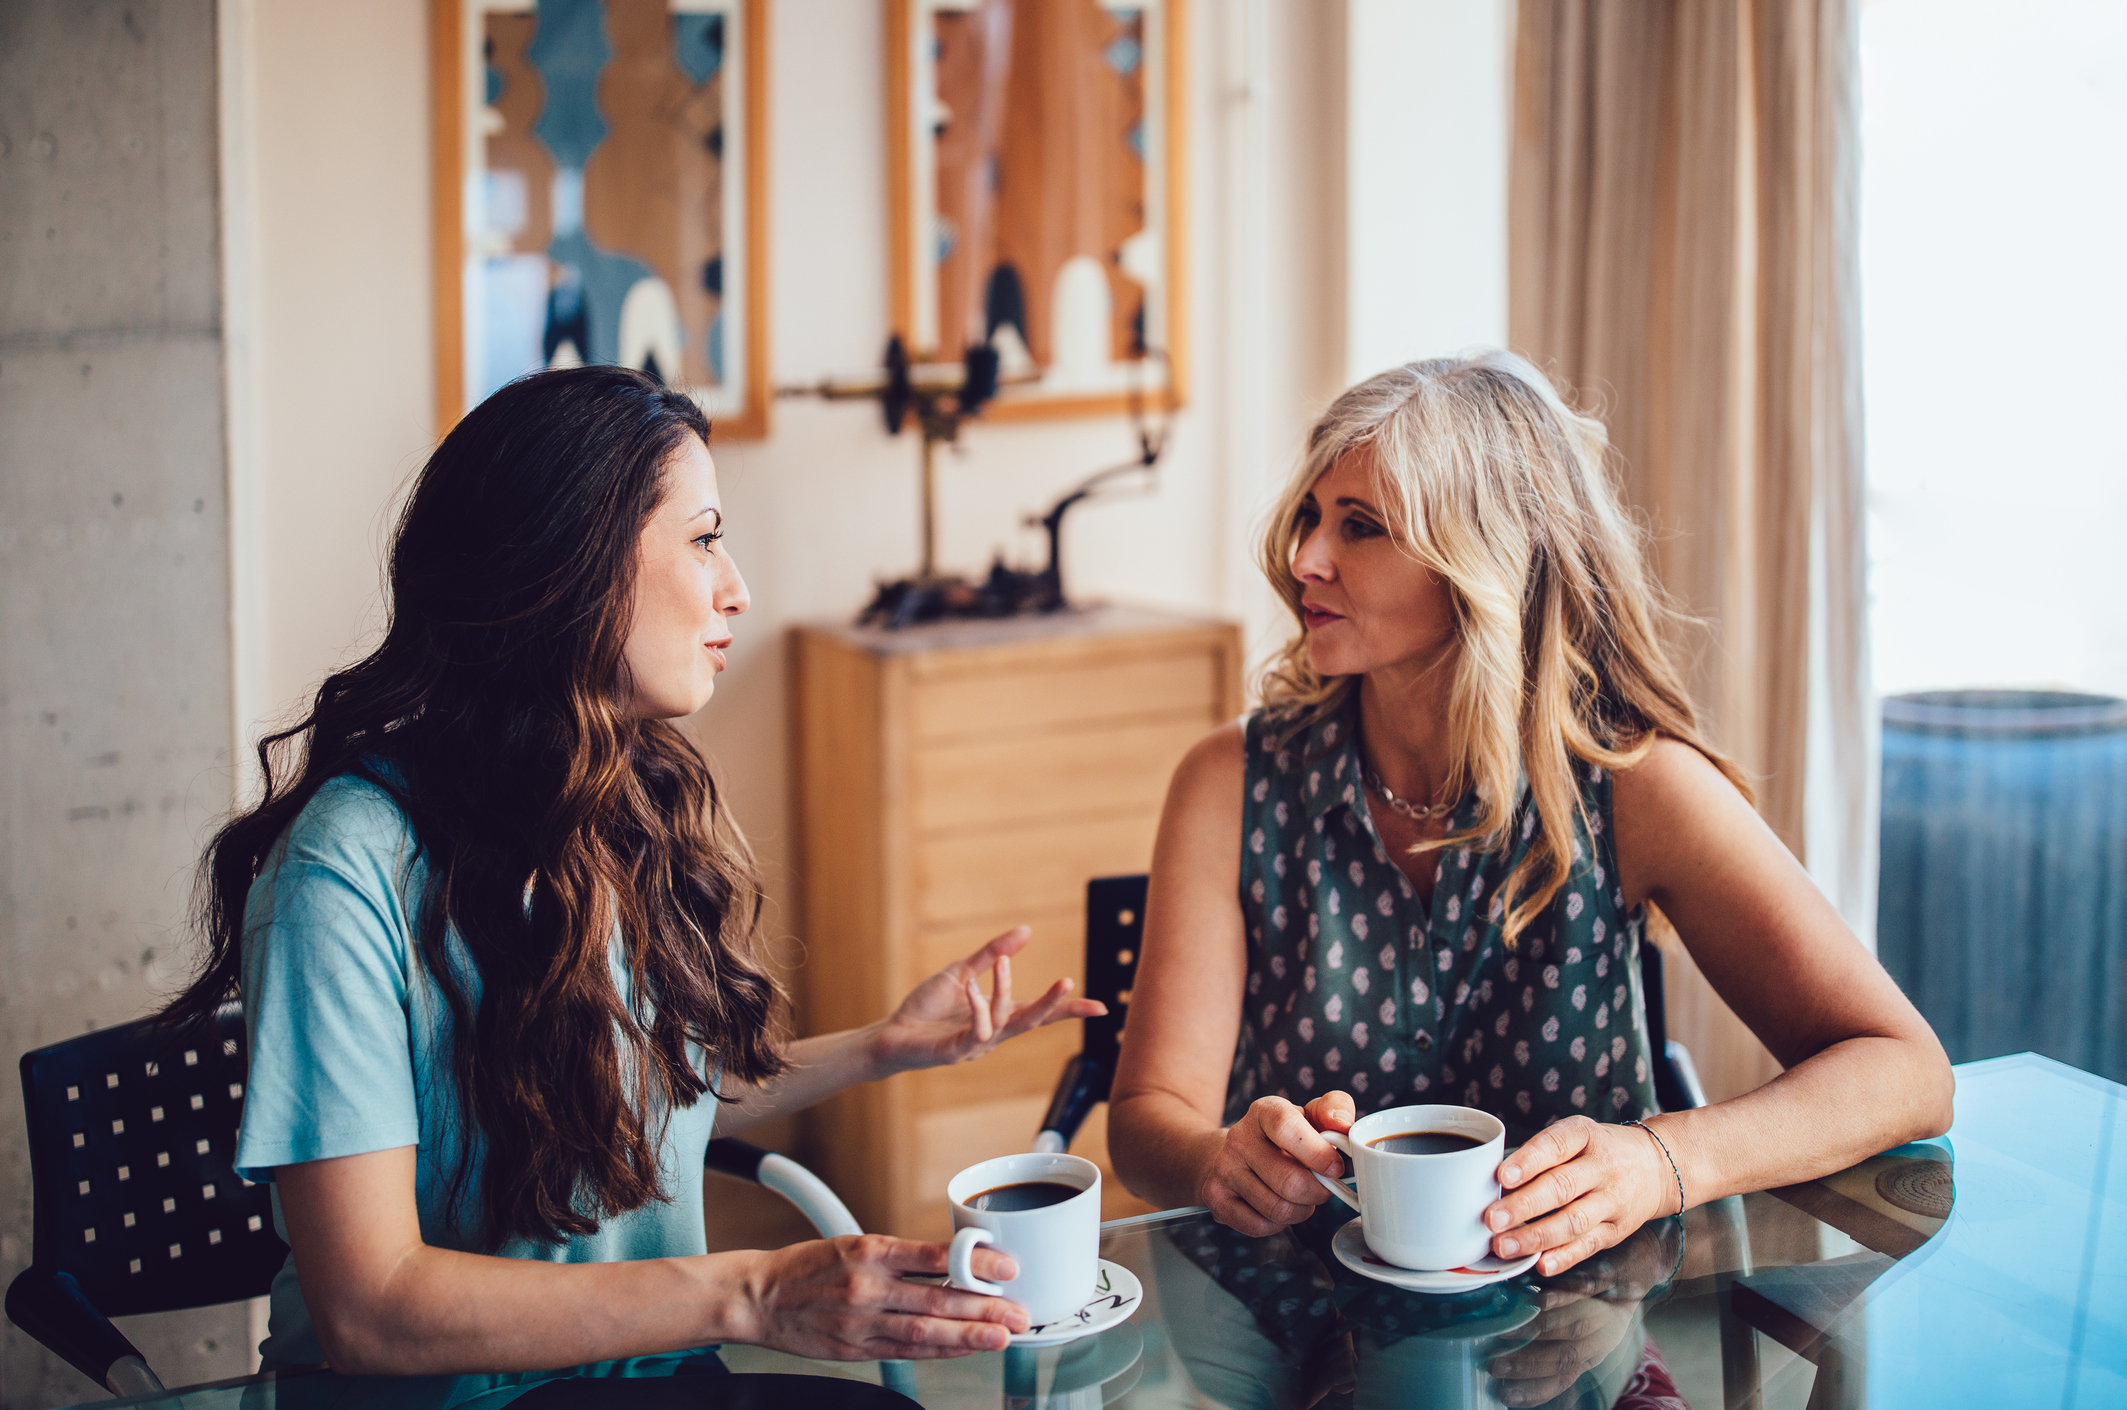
(1424, 1211)
(1057, 1246)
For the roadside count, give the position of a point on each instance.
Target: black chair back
(1115, 926)
(1115, 929)
(131, 1137)
(1667, 1090)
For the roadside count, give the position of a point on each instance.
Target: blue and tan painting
(1042, 232)
(601, 205)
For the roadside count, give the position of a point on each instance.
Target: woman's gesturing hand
(1259, 1180)
(947, 1019)
(846, 1299)
(1577, 1187)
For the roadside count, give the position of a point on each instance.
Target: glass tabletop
(1988, 1268)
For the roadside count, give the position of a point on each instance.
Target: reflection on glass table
(1996, 1276)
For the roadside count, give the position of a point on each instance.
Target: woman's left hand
(948, 1019)
(1578, 1187)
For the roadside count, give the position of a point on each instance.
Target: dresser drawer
(1027, 1066)
(951, 704)
(1006, 872)
(1058, 949)
(1052, 773)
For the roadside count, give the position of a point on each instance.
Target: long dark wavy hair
(495, 714)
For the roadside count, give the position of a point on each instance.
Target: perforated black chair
(1115, 928)
(1676, 1078)
(1115, 924)
(138, 1208)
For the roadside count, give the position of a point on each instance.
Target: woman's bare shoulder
(1680, 820)
(1206, 789)
(1218, 757)
(1669, 776)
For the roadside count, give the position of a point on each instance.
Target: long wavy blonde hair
(1489, 479)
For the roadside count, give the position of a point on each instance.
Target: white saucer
(1117, 1292)
(1350, 1247)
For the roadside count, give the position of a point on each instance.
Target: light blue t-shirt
(350, 1047)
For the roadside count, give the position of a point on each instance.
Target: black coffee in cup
(1423, 1143)
(1034, 1194)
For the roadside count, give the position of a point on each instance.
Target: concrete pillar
(114, 608)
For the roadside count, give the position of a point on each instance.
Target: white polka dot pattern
(1420, 1010)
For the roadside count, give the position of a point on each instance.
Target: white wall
(345, 367)
(828, 503)
(1429, 93)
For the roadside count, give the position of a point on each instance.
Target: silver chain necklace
(1414, 811)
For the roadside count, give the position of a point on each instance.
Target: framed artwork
(600, 169)
(1037, 167)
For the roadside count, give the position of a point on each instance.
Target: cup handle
(958, 1273)
(1336, 1187)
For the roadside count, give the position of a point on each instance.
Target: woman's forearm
(442, 1312)
(1161, 1146)
(1856, 1098)
(819, 1068)
(386, 1302)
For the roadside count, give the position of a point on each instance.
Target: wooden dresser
(954, 780)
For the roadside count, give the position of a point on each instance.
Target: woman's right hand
(846, 1299)
(1261, 1179)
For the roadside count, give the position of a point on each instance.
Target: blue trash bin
(2003, 902)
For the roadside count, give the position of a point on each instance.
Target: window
(1994, 332)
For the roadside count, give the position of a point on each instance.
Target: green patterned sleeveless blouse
(1353, 985)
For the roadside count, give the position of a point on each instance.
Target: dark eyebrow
(709, 509)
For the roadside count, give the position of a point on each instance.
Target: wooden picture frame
(1046, 90)
(643, 236)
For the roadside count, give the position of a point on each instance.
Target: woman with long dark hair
(498, 943)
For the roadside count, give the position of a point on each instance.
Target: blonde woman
(1420, 871)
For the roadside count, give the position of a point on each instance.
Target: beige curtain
(1682, 256)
